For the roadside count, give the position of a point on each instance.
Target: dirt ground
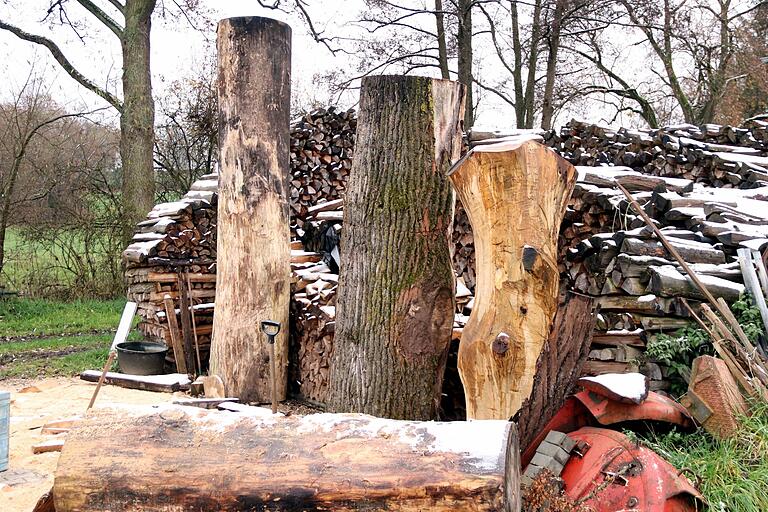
(35, 403)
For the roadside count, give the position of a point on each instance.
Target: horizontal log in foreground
(173, 458)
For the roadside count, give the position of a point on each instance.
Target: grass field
(732, 473)
(40, 338)
(61, 270)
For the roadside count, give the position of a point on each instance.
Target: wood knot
(501, 344)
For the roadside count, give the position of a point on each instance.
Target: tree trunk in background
(548, 107)
(442, 49)
(515, 195)
(138, 116)
(253, 274)
(396, 290)
(464, 43)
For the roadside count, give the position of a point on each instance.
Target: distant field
(41, 338)
(42, 317)
(38, 269)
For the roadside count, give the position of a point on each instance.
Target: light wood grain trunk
(396, 289)
(253, 274)
(515, 195)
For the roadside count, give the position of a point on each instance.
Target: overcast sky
(176, 49)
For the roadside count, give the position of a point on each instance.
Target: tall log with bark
(395, 303)
(515, 195)
(253, 277)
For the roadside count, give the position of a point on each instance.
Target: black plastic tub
(141, 357)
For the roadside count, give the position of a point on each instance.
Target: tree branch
(102, 17)
(65, 64)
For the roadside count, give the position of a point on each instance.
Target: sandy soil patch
(35, 403)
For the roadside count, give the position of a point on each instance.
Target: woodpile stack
(720, 156)
(177, 241)
(322, 145)
(638, 283)
(605, 249)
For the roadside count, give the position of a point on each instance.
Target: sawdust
(30, 476)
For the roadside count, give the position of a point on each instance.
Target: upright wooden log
(183, 458)
(253, 269)
(515, 194)
(395, 303)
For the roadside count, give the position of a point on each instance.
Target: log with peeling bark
(558, 366)
(518, 279)
(253, 460)
(253, 277)
(396, 290)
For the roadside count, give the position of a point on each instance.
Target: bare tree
(36, 152)
(130, 21)
(186, 143)
(691, 43)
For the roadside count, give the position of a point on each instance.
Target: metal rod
(194, 323)
(273, 373)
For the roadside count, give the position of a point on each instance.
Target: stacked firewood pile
(321, 156)
(176, 243)
(639, 284)
(179, 238)
(720, 156)
(605, 249)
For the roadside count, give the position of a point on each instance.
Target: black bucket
(141, 357)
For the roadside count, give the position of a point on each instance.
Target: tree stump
(253, 269)
(396, 290)
(515, 194)
(184, 458)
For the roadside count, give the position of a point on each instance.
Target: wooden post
(139, 459)
(515, 194)
(253, 265)
(179, 357)
(395, 304)
(187, 332)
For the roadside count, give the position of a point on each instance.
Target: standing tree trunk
(138, 116)
(515, 194)
(396, 294)
(464, 43)
(253, 274)
(442, 47)
(548, 107)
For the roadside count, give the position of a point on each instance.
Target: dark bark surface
(138, 115)
(559, 364)
(396, 293)
(253, 269)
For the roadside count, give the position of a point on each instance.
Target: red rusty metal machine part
(590, 409)
(615, 474)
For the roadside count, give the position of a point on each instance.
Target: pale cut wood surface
(515, 194)
(253, 244)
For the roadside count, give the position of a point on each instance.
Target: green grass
(40, 317)
(733, 472)
(68, 365)
(46, 338)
